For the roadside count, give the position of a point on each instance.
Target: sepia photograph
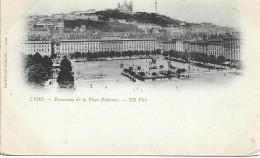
(130, 77)
(123, 43)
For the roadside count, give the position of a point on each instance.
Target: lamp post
(188, 52)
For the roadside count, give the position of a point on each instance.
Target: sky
(220, 12)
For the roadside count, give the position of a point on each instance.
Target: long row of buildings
(228, 47)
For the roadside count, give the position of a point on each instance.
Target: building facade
(179, 46)
(194, 47)
(106, 45)
(216, 47)
(42, 47)
(202, 47)
(110, 46)
(167, 45)
(57, 48)
(186, 46)
(232, 49)
(72, 46)
(139, 44)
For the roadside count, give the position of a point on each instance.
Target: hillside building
(126, 8)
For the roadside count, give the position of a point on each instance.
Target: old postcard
(130, 77)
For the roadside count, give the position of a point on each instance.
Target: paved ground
(107, 75)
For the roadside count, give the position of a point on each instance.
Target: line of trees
(38, 69)
(199, 57)
(113, 54)
(176, 54)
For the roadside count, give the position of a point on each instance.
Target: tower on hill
(156, 11)
(126, 8)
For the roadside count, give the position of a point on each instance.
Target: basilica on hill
(125, 8)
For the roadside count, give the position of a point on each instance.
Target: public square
(107, 75)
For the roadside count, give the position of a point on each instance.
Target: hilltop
(112, 20)
(140, 17)
(106, 25)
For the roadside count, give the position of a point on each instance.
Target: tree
(131, 69)
(221, 60)
(102, 18)
(147, 53)
(173, 54)
(53, 56)
(65, 78)
(129, 53)
(112, 54)
(203, 57)
(89, 55)
(37, 58)
(212, 59)
(135, 52)
(166, 53)
(37, 75)
(139, 68)
(193, 56)
(77, 55)
(38, 69)
(65, 65)
(83, 55)
(28, 61)
(184, 56)
(161, 67)
(169, 73)
(180, 71)
(154, 74)
(142, 74)
(126, 70)
(47, 64)
(157, 51)
(118, 54)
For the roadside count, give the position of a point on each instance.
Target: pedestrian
(90, 85)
